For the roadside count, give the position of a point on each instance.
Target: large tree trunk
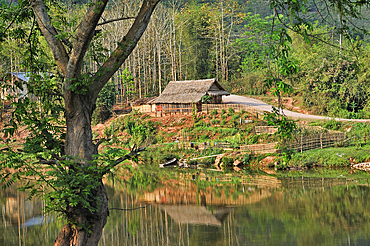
(79, 145)
(79, 134)
(77, 236)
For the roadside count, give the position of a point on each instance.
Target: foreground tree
(85, 217)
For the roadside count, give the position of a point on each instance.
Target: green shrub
(227, 161)
(215, 121)
(253, 139)
(235, 117)
(231, 111)
(207, 161)
(214, 112)
(246, 158)
(200, 123)
(333, 125)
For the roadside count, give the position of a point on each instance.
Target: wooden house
(184, 96)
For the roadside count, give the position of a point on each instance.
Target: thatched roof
(142, 101)
(190, 91)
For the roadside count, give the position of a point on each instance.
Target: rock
(237, 162)
(218, 160)
(267, 161)
(237, 169)
(269, 171)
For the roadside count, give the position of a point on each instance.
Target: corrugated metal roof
(22, 76)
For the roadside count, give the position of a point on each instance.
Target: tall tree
(80, 91)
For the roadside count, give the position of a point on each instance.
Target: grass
(331, 157)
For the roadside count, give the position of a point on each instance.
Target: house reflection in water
(193, 214)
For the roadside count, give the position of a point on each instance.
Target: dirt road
(267, 107)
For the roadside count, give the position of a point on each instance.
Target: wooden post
(321, 140)
(301, 142)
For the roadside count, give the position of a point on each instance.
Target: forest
(227, 40)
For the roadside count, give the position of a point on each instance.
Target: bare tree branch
(114, 20)
(84, 35)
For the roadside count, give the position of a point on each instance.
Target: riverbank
(233, 134)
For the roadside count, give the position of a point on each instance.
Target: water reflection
(192, 214)
(22, 220)
(292, 211)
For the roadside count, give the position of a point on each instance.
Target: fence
(317, 141)
(260, 148)
(170, 109)
(204, 145)
(176, 109)
(236, 107)
(254, 148)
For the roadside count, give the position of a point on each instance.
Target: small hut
(183, 96)
(143, 104)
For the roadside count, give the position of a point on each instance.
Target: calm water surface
(260, 211)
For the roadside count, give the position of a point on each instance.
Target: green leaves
(80, 85)
(261, 34)
(286, 127)
(206, 99)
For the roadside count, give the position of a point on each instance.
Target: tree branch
(129, 155)
(309, 35)
(50, 34)
(48, 162)
(114, 20)
(129, 209)
(100, 141)
(83, 37)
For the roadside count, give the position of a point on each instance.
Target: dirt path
(267, 107)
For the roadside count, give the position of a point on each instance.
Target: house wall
(170, 108)
(174, 108)
(143, 108)
(216, 99)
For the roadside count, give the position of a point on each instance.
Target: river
(258, 211)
